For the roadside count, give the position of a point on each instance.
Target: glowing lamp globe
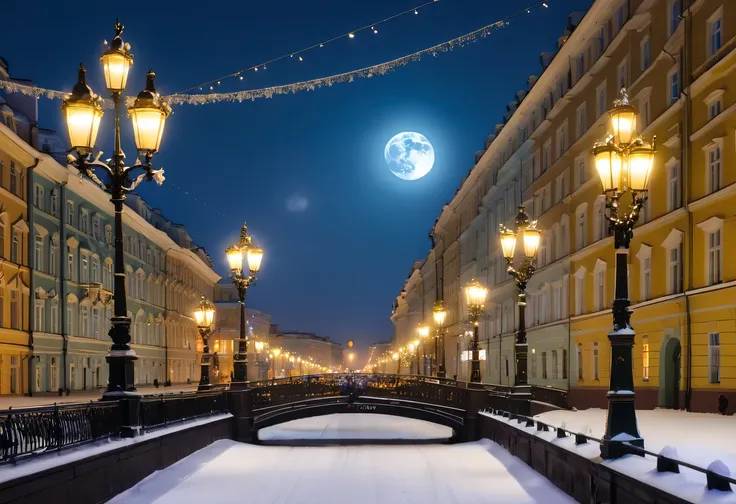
(423, 331)
(641, 160)
(608, 164)
(255, 256)
(508, 243)
(439, 314)
(475, 294)
(204, 315)
(623, 120)
(82, 113)
(235, 258)
(116, 62)
(531, 242)
(149, 113)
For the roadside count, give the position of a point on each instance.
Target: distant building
(320, 350)
(224, 340)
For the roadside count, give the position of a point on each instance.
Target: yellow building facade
(675, 59)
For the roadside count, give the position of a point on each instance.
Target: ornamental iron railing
(165, 409)
(33, 431)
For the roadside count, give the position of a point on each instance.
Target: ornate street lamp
(475, 296)
(82, 112)
(235, 254)
(624, 163)
(528, 236)
(204, 316)
(439, 315)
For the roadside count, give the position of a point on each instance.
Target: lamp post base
(121, 368)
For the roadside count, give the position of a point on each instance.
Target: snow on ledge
(55, 459)
(687, 484)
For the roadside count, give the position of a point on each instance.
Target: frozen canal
(227, 471)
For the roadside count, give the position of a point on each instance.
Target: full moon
(409, 155)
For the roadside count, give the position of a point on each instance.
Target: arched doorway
(670, 365)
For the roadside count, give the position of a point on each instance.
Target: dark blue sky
(335, 267)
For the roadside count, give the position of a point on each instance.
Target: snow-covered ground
(355, 426)
(699, 438)
(227, 471)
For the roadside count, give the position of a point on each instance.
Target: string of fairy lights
(185, 98)
(299, 55)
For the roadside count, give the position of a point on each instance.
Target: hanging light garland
(371, 28)
(309, 85)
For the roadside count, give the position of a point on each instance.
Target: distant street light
(235, 255)
(475, 296)
(439, 315)
(204, 316)
(528, 236)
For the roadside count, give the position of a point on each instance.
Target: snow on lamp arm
(82, 112)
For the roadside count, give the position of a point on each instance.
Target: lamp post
(624, 163)
(82, 112)
(397, 357)
(439, 316)
(529, 236)
(235, 254)
(475, 295)
(204, 315)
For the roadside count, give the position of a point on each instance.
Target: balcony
(97, 293)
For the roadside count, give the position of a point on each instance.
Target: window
(2, 306)
(14, 310)
(96, 323)
(53, 245)
(580, 361)
(54, 320)
(69, 320)
(95, 270)
(546, 156)
(84, 221)
(107, 275)
(96, 228)
(646, 279)
(561, 140)
(38, 253)
(579, 171)
(645, 50)
(600, 218)
(84, 321)
(557, 300)
(714, 31)
(54, 204)
(600, 288)
(673, 81)
(39, 317)
(714, 167)
(620, 17)
(674, 272)
(673, 185)
(714, 257)
(564, 364)
(53, 375)
(646, 110)
(601, 39)
(70, 213)
(580, 65)
(714, 358)
(581, 238)
(69, 263)
(14, 185)
(601, 106)
(595, 361)
(38, 197)
(555, 364)
(2, 237)
(674, 15)
(108, 235)
(15, 247)
(544, 365)
(714, 109)
(581, 124)
(580, 292)
(84, 272)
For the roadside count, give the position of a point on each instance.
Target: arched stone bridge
(445, 402)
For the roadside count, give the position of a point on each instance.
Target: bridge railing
(283, 390)
(439, 391)
(32, 431)
(665, 461)
(165, 409)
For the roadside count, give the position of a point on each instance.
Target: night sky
(333, 265)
